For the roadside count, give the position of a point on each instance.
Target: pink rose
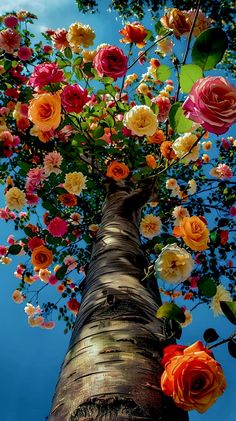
(111, 61)
(164, 106)
(44, 74)
(24, 53)
(212, 103)
(73, 98)
(57, 227)
(10, 21)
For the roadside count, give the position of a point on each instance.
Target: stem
(223, 341)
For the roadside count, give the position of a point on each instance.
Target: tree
(95, 154)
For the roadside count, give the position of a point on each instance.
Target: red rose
(111, 61)
(73, 98)
(44, 74)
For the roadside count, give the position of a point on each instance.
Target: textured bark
(112, 368)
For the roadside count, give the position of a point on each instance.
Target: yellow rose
(174, 264)
(150, 226)
(194, 233)
(80, 35)
(15, 198)
(45, 111)
(75, 182)
(141, 120)
(182, 146)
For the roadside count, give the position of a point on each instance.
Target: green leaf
(14, 249)
(229, 310)
(60, 273)
(163, 72)
(210, 335)
(189, 74)
(170, 311)
(178, 121)
(98, 132)
(209, 48)
(68, 53)
(207, 287)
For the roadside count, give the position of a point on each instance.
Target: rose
(194, 233)
(134, 32)
(182, 146)
(80, 35)
(164, 106)
(57, 227)
(212, 103)
(41, 257)
(9, 40)
(117, 170)
(45, 111)
(110, 61)
(75, 182)
(177, 21)
(192, 377)
(174, 264)
(141, 120)
(45, 74)
(15, 198)
(73, 98)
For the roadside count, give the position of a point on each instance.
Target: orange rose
(117, 170)
(134, 32)
(158, 137)
(194, 233)
(41, 257)
(192, 377)
(151, 162)
(177, 21)
(68, 199)
(45, 111)
(167, 151)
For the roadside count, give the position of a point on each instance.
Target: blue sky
(30, 358)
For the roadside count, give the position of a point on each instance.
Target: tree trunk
(112, 368)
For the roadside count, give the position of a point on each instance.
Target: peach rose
(41, 257)
(45, 111)
(117, 170)
(194, 233)
(177, 21)
(192, 377)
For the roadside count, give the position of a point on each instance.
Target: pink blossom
(11, 239)
(9, 40)
(35, 178)
(225, 144)
(221, 171)
(31, 198)
(232, 211)
(57, 227)
(4, 111)
(52, 280)
(164, 106)
(194, 281)
(73, 98)
(24, 53)
(44, 74)
(47, 49)
(48, 325)
(52, 162)
(71, 262)
(212, 103)
(3, 250)
(59, 39)
(23, 215)
(110, 61)
(10, 21)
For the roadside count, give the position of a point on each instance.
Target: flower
(176, 20)
(192, 187)
(206, 146)
(73, 305)
(75, 182)
(188, 318)
(171, 184)
(10, 21)
(80, 35)
(167, 150)
(73, 98)
(57, 227)
(221, 171)
(150, 226)
(151, 161)
(45, 74)
(35, 242)
(194, 233)
(179, 213)
(221, 295)
(44, 275)
(157, 138)
(68, 199)
(182, 146)
(15, 198)
(212, 103)
(117, 170)
(24, 53)
(135, 33)
(52, 162)
(17, 296)
(48, 325)
(41, 257)
(174, 264)
(70, 262)
(202, 23)
(45, 111)
(164, 106)
(9, 40)
(35, 179)
(192, 377)
(110, 61)
(35, 321)
(59, 39)
(165, 46)
(141, 120)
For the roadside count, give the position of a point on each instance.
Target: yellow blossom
(150, 226)
(221, 295)
(183, 144)
(15, 198)
(80, 35)
(141, 120)
(75, 182)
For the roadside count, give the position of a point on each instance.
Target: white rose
(174, 264)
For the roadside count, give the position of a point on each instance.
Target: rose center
(198, 383)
